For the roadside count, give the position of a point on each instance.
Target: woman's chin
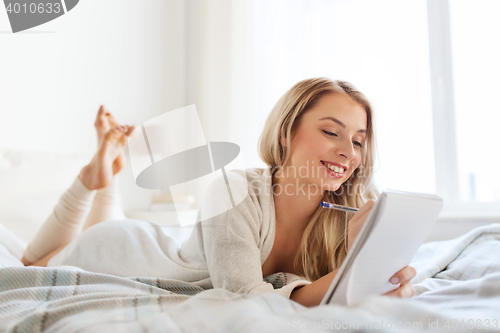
(332, 187)
(336, 187)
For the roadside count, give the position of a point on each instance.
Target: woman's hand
(404, 276)
(357, 221)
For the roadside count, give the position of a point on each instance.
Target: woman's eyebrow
(341, 123)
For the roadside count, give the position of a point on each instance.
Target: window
(389, 62)
(463, 67)
(476, 69)
(429, 68)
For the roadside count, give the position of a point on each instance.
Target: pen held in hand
(325, 204)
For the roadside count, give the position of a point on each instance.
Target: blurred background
(429, 68)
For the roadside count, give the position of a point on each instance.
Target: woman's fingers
(406, 290)
(404, 275)
(363, 210)
(362, 213)
(357, 221)
(359, 218)
(354, 227)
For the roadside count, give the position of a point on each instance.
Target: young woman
(318, 143)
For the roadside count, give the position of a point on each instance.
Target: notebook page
(405, 221)
(337, 291)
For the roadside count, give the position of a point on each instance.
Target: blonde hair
(323, 247)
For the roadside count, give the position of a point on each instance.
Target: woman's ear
(283, 141)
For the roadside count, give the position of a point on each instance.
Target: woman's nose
(346, 150)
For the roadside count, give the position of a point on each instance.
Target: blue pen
(338, 207)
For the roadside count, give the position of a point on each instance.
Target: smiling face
(330, 136)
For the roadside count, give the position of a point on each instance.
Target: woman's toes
(130, 130)
(101, 115)
(118, 135)
(111, 120)
(102, 110)
(101, 123)
(100, 171)
(114, 133)
(127, 130)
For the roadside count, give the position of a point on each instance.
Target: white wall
(221, 72)
(127, 54)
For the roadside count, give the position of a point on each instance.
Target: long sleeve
(232, 243)
(237, 268)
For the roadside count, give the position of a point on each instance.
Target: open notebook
(396, 226)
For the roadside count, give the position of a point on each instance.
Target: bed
(457, 288)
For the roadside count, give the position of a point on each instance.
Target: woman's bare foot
(104, 121)
(99, 172)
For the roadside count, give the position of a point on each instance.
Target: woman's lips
(336, 164)
(331, 173)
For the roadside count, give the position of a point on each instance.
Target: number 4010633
(34, 8)
(28, 14)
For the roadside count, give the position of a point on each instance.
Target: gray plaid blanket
(457, 289)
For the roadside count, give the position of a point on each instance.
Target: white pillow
(30, 173)
(10, 246)
(31, 183)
